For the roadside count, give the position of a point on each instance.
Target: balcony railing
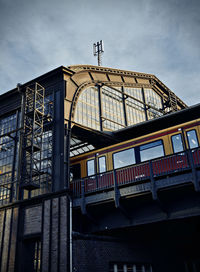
(138, 173)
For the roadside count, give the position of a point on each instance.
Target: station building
(44, 224)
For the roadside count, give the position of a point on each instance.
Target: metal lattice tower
(173, 101)
(32, 137)
(98, 49)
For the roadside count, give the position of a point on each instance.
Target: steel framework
(32, 137)
(173, 101)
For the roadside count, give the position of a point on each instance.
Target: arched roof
(84, 76)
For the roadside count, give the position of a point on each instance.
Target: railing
(138, 173)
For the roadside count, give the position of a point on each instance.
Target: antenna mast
(98, 49)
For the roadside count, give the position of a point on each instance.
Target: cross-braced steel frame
(32, 137)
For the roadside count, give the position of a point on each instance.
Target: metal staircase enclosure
(32, 137)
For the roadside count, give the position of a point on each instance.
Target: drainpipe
(70, 239)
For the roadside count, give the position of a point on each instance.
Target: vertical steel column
(124, 97)
(21, 136)
(67, 163)
(145, 107)
(100, 107)
(58, 155)
(67, 137)
(15, 138)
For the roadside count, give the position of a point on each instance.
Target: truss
(32, 137)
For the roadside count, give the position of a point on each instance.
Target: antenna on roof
(98, 49)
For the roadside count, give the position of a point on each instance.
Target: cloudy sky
(161, 37)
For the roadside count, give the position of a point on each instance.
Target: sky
(161, 37)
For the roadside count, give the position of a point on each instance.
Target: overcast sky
(161, 37)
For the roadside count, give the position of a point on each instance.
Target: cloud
(154, 36)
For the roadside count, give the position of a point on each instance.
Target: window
(192, 138)
(124, 158)
(177, 143)
(30, 259)
(112, 108)
(151, 151)
(102, 164)
(90, 167)
(87, 109)
(192, 266)
(134, 108)
(123, 267)
(37, 256)
(154, 100)
(7, 147)
(75, 171)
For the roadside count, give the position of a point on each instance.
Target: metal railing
(138, 173)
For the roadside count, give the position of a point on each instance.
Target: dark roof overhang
(98, 139)
(163, 122)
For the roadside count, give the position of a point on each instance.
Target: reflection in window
(177, 143)
(90, 167)
(124, 158)
(151, 151)
(46, 164)
(192, 138)
(7, 144)
(102, 164)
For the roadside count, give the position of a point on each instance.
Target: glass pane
(102, 164)
(153, 100)
(7, 145)
(87, 108)
(112, 108)
(192, 139)
(151, 151)
(177, 143)
(134, 109)
(124, 158)
(90, 168)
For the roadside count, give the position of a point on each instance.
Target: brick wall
(96, 255)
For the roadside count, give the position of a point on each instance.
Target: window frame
(161, 140)
(181, 140)
(93, 159)
(103, 156)
(188, 138)
(122, 151)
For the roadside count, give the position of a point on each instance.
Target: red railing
(170, 164)
(167, 165)
(133, 173)
(196, 156)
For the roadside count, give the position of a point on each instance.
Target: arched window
(113, 108)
